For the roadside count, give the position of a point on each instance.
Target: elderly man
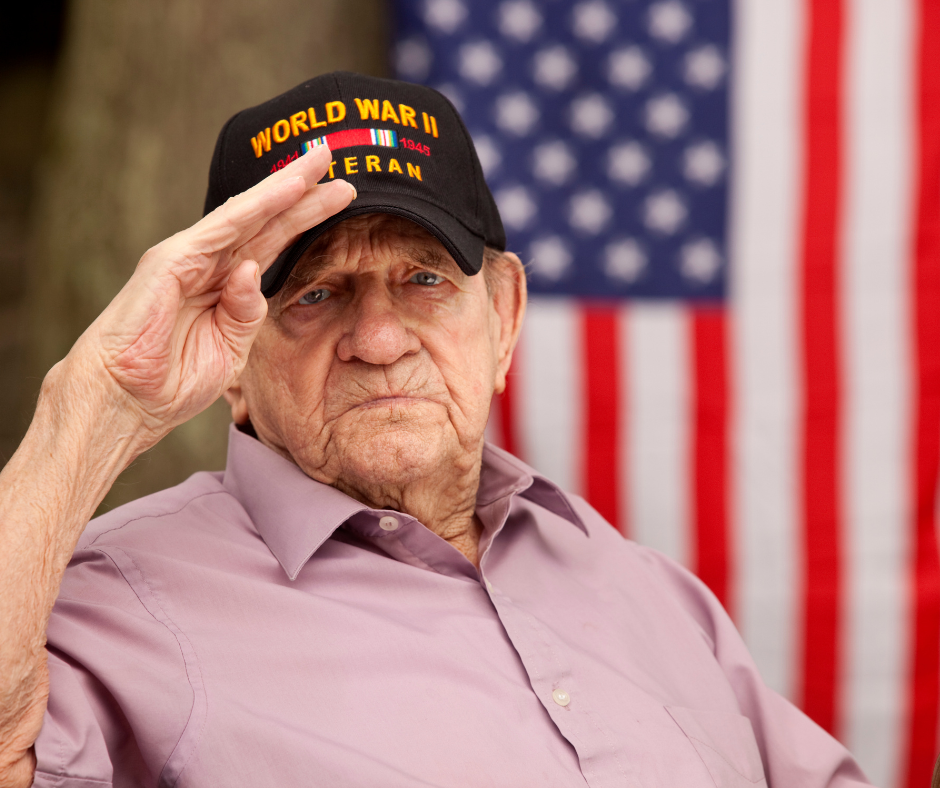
(369, 594)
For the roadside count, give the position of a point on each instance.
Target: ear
(509, 300)
(236, 400)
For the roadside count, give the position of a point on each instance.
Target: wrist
(78, 442)
(86, 421)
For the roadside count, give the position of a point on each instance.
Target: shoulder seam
(192, 730)
(156, 516)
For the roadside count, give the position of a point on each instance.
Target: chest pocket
(725, 743)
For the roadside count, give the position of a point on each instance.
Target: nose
(376, 332)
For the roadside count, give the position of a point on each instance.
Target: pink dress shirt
(257, 628)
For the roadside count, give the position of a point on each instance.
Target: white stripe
(625, 483)
(550, 419)
(656, 338)
(769, 38)
(875, 265)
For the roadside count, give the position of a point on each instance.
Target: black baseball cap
(403, 146)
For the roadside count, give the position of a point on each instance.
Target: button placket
(547, 667)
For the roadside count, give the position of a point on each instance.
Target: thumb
(241, 310)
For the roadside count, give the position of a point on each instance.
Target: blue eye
(314, 296)
(426, 278)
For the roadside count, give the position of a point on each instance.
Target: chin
(398, 455)
(376, 450)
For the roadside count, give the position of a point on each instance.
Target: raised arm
(167, 346)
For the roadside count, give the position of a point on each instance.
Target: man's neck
(443, 497)
(447, 509)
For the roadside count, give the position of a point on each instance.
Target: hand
(174, 338)
(179, 332)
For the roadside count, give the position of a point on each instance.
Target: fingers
(315, 206)
(235, 222)
(242, 216)
(310, 166)
(255, 225)
(241, 310)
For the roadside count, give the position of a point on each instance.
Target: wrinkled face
(379, 358)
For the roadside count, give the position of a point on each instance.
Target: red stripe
(712, 539)
(506, 402)
(348, 138)
(601, 353)
(924, 690)
(821, 509)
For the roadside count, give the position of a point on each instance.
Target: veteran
(368, 594)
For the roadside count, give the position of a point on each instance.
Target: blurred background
(730, 210)
(109, 116)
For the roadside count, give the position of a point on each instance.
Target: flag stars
(703, 163)
(553, 163)
(593, 21)
(704, 67)
(516, 113)
(669, 21)
(453, 95)
(479, 62)
(624, 260)
(628, 68)
(445, 15)
(589, 212)
(551, 258)
(516, 206)
(666, 115)
(591, 116)
(519, 19)
(664, 212)
(628, 163)
(603, 141)
(487, 153)
(554, 68)
(700, 260)
(413, 58)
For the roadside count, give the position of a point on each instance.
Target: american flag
(731, 214)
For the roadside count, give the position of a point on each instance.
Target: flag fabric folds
(730, 210)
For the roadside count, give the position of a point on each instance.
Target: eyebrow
(309, 267)
(433, 260)
(305, 271)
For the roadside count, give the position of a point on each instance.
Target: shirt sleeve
(119, 695)
(794, 749)
(71, 749)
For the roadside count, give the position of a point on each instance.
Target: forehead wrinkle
(413, 247)
(317, 257)
(409, 241)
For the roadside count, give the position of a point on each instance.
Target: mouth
(385, 402)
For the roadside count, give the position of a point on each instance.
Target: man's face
(379, 357)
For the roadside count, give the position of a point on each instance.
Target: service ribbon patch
(386, 138)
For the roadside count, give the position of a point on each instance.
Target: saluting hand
(167, 346)
(179, 332)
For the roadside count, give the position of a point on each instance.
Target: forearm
(175, 337)
(81, 437)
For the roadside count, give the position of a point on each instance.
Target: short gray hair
(495, 268)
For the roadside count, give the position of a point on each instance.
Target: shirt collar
(503, 474)
(295, 514)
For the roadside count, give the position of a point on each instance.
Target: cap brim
(464, 246)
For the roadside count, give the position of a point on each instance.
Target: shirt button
(561, 697)
(489, 586)
(388, 523)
